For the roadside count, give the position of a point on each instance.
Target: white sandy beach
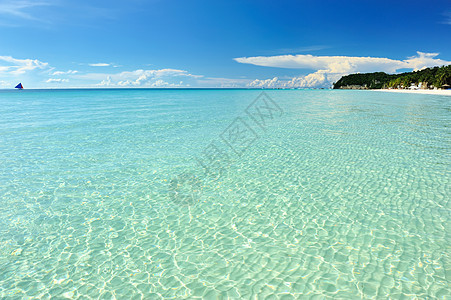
(430, 92)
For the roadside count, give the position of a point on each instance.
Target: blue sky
(197, 43)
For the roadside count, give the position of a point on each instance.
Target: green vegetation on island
(429, 78)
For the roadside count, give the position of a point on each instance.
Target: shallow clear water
(192, 193)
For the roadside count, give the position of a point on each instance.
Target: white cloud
(331, 68)
(106, 82)
(344, 64)
(5, 84)
(68, 72)
(267, 83)
(57, 80)
(161, 83)
(32, 71)
(141, 78)
(317, 79)
(10, 66)
(158, 78)
(100, 65)
(424, 60)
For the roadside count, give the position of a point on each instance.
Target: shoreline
(424, 92)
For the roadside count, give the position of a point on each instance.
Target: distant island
(429, 78)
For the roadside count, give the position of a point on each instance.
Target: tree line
(436, 77)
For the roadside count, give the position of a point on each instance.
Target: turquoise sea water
(219, 194)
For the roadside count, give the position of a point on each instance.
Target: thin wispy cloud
(57, 80)
(21, 9)
(49, 12)
(99, 65)
(298, 49)
(68, 72)
(222, 82)
(447, 18)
